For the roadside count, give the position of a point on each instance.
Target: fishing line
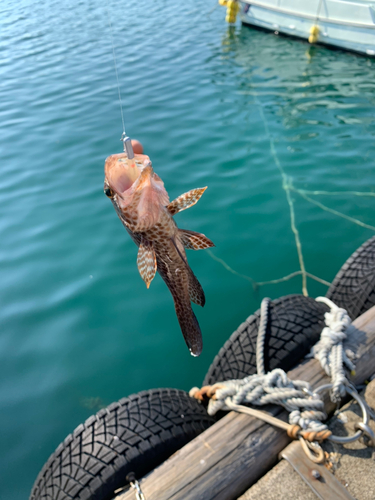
(115, 64)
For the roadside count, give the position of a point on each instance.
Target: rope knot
(316, 435)
(293, 431)
(306, 408)
(329, 351)
(337, 319)
(206, 392)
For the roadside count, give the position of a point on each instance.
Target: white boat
(345, 24)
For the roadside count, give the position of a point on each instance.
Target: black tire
(136, 434)
(354, 285)
(294, 326)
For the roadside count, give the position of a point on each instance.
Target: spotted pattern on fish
(146, 213)
(185, 200)
(196, 293)
(146, 261)
(195, 241)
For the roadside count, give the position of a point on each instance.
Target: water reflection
(315, 107)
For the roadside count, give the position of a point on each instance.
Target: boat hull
(347, 25)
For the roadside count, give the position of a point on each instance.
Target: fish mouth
(121, 173)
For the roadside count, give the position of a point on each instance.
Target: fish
(142, 204)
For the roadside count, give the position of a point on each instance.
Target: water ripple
(213, 106)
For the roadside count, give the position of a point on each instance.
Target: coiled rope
(306, 407)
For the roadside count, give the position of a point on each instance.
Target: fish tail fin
(189, 325)
(182, 295)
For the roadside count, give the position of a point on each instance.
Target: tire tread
(294, 325)
(354, 285)
(133, 435)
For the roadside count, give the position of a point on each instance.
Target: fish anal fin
(194, 241)
(185, 200)
(146, 261)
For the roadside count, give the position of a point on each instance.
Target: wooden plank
(230, 456)
(324, 484)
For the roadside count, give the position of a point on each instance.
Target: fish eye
(108, 191)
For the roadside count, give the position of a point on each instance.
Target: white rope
(329, 351)
(306, 408)
(275, 387)
(262, 330)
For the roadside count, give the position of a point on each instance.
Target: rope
(329, 351)
(306, 408)
(134, 484)
(318, 12)
(262, 330)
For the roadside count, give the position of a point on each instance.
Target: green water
(255, 117)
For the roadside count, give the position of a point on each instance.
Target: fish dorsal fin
(185, 200)
(194, 241)
(146, 261)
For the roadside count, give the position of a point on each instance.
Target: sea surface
(259, 119)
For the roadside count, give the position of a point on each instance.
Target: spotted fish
(143, 206)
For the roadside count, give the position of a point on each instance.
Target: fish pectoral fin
(185, 200)
(194, 241)
(146, 261)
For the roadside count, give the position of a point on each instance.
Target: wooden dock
(230, 456)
